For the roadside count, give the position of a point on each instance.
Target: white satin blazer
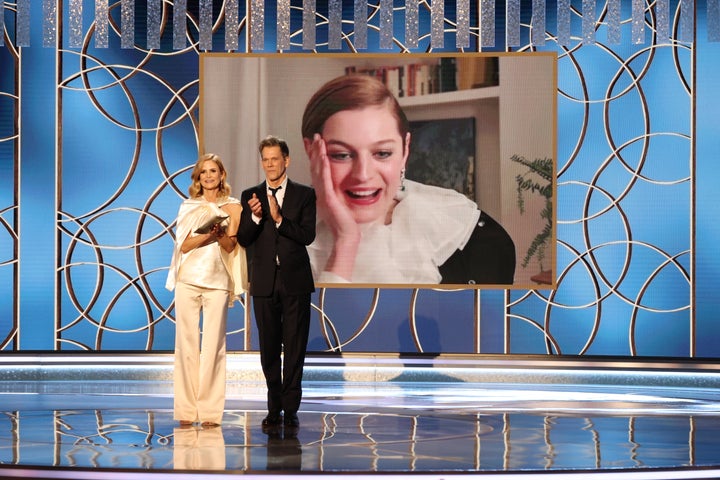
(201, 264)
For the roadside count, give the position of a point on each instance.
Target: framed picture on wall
(443, 154)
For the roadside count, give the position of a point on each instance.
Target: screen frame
(245, 96)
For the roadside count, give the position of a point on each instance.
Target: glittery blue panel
(411, 23)
(538, 23)
(520, 23)
(386, 24)
(713, 20)
(127, 23)
(49, 23)
(462, 37)
(563, 22)
(512, 22)
(487, 23)
(283, 24)
(154, 14)
(308, 33)
(638, 21)
(232, 24)
(22, 35)
(588, 22)
(101, 23)
(179, 24)
(335, 24)
(687, 20)
(257, 19)
(360, 19)
(437, 24)
(75, 24)
(662, 20)
(206, 20)
(612, 20)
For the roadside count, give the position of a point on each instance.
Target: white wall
(527, 128)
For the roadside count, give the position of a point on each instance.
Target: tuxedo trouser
(283, 322)
(200, 357)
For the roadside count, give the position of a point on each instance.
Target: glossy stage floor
(110, 417)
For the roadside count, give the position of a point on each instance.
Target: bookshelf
(457, 96)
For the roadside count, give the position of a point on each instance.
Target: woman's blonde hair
(196, 189)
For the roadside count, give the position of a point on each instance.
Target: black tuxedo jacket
(265, 242)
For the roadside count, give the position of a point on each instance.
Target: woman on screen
(374, 225)
(208, 273)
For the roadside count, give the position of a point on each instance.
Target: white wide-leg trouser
(199, 373)
(198, 449)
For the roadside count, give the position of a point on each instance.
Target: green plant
(537, 179)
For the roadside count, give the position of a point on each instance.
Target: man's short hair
(273, 141)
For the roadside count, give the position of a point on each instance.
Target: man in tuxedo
(276, 225)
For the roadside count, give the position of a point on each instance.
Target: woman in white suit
(207, 272)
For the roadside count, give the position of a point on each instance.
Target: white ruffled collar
(428, 225)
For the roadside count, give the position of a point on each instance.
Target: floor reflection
(198, 448)
(359, 442)
(283, 450)
(418, 430)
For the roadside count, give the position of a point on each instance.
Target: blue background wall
(96, 143)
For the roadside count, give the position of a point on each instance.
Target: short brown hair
(273, 141)
(349, 92)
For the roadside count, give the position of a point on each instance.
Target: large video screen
(431, 171)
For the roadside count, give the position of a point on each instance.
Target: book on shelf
(474, 72)
(391, 78)
(447, 74)
(444, 74)
(422, 79)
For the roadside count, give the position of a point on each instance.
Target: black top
(488, 257)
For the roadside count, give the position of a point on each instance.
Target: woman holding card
(208, 273)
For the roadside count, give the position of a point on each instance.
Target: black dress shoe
(272, 420)
(291, 420)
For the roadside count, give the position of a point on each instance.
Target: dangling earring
(401, 189)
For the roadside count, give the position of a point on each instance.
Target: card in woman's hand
(207, 226)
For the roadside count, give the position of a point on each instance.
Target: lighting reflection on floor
(420, 428)
(110, 417)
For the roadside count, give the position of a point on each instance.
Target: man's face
(274, 164)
